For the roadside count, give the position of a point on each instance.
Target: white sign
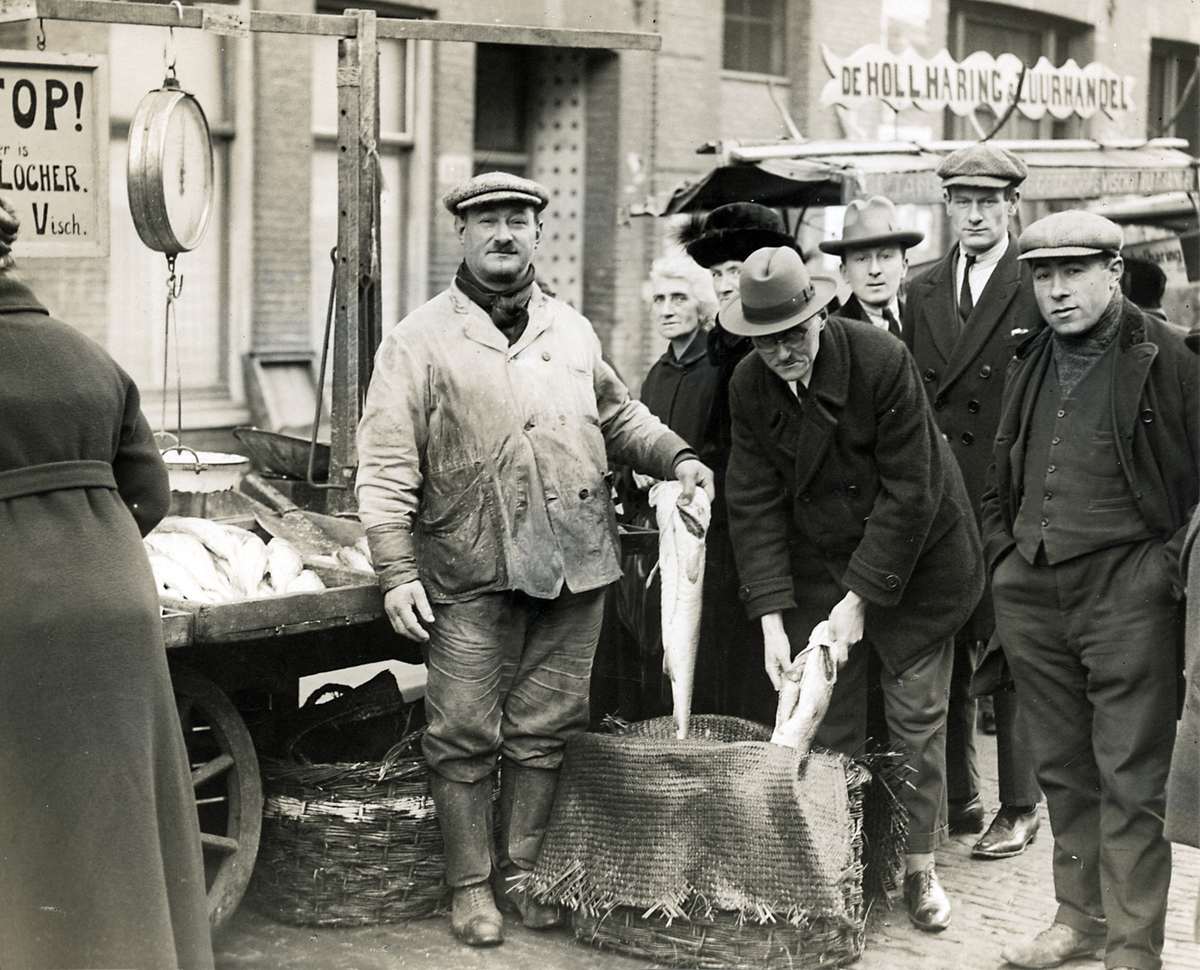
(908, 80)
(54, 151)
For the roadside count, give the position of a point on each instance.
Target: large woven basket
(695, 932)
(347, 844)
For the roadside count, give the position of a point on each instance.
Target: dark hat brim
(734, 320)
(723, 245)
(904, 239)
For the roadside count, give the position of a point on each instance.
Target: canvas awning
(806, 174)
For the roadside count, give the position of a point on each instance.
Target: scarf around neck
(1074, 356)
(508, 308)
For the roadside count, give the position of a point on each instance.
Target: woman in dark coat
(100, 863)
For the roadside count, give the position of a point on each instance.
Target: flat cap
(984, 165)
(1074, 232)
(495, 188)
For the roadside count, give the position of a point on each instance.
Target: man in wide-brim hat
(846, 506)
(874, 254)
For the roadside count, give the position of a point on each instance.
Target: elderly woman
(100, 863)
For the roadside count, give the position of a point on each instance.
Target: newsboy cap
(1074, 232)
(495, 188)
(776, 294)
(870, 223)
(984, 165)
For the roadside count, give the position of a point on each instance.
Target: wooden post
(358, 309)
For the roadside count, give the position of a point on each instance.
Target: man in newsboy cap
(962, 320)
(483, 485)
(847, 509)
(1096, 459)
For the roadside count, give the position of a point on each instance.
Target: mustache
(504, 248)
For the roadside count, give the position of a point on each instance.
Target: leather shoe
(511, 899)
(926, 901)
(474, 917)
(1008, 835)
(1053, 946)
(966, 818)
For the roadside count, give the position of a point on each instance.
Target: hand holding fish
(406, 606)
(690, 473)
(845, 625)
(777, 649)
(806, 692)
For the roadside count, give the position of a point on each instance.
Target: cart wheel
(228, 788)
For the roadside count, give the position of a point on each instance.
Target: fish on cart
(805, 693)
(682, 530)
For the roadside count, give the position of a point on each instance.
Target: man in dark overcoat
(874, 254)
(846, 505)
(963, 319)
(1097, 470)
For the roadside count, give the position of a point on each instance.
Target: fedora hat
(871, 223)
(777, 294)
(733, 232)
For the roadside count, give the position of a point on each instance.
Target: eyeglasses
(795, 337)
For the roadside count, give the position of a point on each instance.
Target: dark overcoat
(99, 846)
(858, 478)
(1155, 422)
(1183, 784)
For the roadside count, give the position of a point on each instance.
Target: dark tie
(965, 303)
(892, 322)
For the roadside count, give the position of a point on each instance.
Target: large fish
(805, 693)
(681, 533)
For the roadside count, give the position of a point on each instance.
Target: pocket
(458, 541)
(1118, 504)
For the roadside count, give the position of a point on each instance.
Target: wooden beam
(346, 25)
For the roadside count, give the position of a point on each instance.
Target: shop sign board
(909, 80)
(1167, 252)
(54, 143)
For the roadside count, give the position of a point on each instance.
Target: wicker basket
(350, 844)
(699, 931)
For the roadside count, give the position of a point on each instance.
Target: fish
(682, 530)
(805, 693)
(283, 564)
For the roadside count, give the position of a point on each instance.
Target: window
(501, 109)
(754, 36)
(137, 288)
(1029, 35)
(1171, 66)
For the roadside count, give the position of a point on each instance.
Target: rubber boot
(526, 798)
(465, 813)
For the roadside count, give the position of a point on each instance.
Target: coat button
(1148, 416)
(1045, 522)
(929, 375)
(973, 407)
(892, 581)
(967, 438)
(744, 592)
(1062, 413)
(1051, 469)
(1056, 440)
(985, 371)
(530, 424)
(584, 493)
(545, 355)
(852, 489)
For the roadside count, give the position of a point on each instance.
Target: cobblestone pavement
(993, 902)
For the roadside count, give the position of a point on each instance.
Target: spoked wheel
(228, 788)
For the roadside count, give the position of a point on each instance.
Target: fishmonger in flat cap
(836, 466)
(873, 250)
(1096, 459)
(483, 485)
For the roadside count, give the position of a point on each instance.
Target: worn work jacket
(484, 467)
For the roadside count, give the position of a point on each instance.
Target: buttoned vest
(1075, 496)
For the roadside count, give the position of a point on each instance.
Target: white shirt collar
(876, 315)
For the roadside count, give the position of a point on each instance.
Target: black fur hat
(733, 231)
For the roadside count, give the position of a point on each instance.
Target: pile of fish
(805, 693)
(209, 562)
(681, 536)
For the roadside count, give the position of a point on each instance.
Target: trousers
(508, 674)
(1090, 643)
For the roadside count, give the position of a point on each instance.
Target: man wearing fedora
(483, 485)
(963, 319)
(1097, 472)
(846, 505)
(873, 250)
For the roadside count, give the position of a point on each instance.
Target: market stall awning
(783, 174)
